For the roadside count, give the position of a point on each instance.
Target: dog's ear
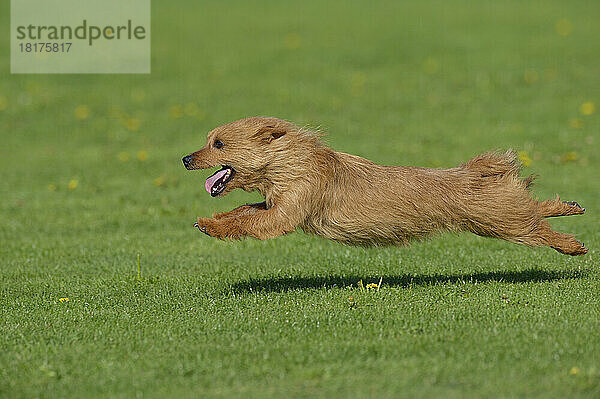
(269, 133)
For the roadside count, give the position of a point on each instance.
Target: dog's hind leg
(563, 243)
(556, 207)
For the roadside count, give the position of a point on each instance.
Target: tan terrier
(351, 200)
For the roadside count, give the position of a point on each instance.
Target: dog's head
(246, 150)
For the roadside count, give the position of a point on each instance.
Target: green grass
(427, 83)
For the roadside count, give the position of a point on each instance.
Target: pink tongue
(210, 182)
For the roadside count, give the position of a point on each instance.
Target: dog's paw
(202, 224)
(575, 204)
(217, 228)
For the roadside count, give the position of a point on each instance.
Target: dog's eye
(218, 144)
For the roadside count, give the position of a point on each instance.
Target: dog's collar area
(216, 183)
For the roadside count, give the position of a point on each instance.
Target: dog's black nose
(187, 160)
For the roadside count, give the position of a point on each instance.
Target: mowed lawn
(92, 177)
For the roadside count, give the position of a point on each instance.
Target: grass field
(91, 177)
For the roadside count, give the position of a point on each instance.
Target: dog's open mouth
(216, 183)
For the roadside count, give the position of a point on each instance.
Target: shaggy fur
(351, 200)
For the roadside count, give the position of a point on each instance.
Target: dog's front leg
(262, 224)
(247, 209)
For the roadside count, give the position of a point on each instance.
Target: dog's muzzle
(187, 161)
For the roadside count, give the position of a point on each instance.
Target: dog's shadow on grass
(282, 284)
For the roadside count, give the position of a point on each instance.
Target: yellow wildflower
(176, 111)
(73, 183)
(574, 370)
(82, 112)
(530, 76)
(142, 155)
(132, 124)
(587, 108)
(292, 41)
(563, 27)
(375, 286)
(569, 156)
(576, 123)
(351, 302)
(160, 181)
(524, 158)
(64, 299)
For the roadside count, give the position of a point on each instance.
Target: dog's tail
(498, 164)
